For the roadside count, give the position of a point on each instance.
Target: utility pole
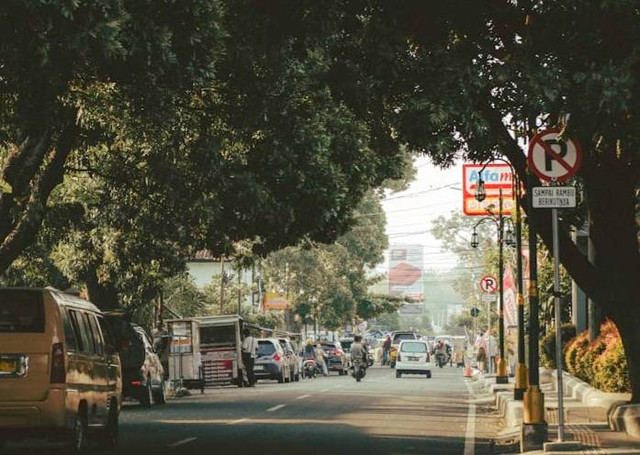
(521, 370)
(221, 284)
(501, 377)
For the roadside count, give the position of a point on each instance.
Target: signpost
(489, 285)
(555, 159)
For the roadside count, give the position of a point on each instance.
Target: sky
(434, 192)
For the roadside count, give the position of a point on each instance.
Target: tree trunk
(102, 295)
(628, 323)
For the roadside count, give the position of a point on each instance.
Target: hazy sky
(433, 193)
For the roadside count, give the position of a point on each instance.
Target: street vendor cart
(185, 364)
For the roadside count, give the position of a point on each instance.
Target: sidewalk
(583, 423)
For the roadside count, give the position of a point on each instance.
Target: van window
(70, 336)
(95, 341)
(107, 335)
(21, 311)
(266, 348)
(78, 328)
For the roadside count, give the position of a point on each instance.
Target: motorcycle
(310, 368)
(441, 359)
(359, 369)
(369, 359)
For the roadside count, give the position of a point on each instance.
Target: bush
(548, 344)
(602, 363)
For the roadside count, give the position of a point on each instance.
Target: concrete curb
(621, 415)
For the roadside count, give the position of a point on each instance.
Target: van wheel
(147, 395)
(79, 433)
(160, 397)
(281, 378)
(398, 374)
(111, 432)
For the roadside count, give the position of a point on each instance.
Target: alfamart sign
(496, 177)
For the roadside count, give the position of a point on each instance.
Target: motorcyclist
(321, 357)
(440, 352)
(309, 350)
(359, 354)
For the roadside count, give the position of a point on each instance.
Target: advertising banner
(275, 302)
(510, 299)
(405, 271)
(496, 177)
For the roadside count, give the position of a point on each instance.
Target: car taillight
(136, 383)
(58, 372)
(276, 357)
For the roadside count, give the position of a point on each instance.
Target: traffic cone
(467, 369)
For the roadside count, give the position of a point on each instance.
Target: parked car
(60, 374)
(271, 362)
(293, 361)
(413, 358)
(337, 360)
(396, 338)
(143, 377)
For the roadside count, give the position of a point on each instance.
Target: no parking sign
(553, 158)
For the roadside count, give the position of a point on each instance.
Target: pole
(534, 429)
(521, 370)
(222, 285)
(558, 314)
(501, 376)
(239, 292)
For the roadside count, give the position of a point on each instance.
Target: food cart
(220, 349)
(185, 365)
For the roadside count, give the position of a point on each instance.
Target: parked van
(60, 375)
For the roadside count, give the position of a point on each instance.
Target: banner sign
(510, 299)
(275, 302)
(405, 271)
(496, 177)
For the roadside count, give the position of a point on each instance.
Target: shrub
(548, 344)
(602, 363)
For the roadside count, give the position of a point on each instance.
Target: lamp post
(521, 370)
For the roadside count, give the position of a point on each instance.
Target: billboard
(273, 301)
(405, 271)
(496, 177)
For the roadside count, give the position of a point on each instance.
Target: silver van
(60, 375)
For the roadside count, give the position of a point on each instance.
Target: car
(271, 362)
(292, 359)
(336, 358)
(60, 374)
(413, 358)
(396, 338)
(143, 376)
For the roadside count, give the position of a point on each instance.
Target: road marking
(302, 397)
(275, 408)
(238, 421)
(470, 436)
(324, 390)
(181, 443)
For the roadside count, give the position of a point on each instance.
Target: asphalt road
(327, 415)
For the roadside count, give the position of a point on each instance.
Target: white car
(413, 358)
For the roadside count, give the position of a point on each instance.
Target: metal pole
(521, 370)
(222, 285)
(533, 397)
(558, 314)
(501, 376)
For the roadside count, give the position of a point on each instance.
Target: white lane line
(275, 408)
(238, 421)
(470, 436)
(181, 443)
(302, 397)
(324, 390)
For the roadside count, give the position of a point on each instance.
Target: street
(380, 415)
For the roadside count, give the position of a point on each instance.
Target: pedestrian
(492, 351)
(320, 359)
(386, 349)
(249, 349)
(481, 352)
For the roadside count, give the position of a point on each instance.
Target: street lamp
(498, 220)
(521, 370)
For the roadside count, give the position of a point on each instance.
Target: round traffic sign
(489, 284)
(552, 158)
(475, 312)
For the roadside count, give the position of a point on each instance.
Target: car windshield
(346, 345)
(21, 312)
(403, 336)
(265, 348)
(414, 347)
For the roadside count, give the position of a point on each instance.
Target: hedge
(602, 363)
(548, 344)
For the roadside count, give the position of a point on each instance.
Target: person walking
(481, 352)
(386, 349)
(320, 359)
(492, 352)
(249, 349)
